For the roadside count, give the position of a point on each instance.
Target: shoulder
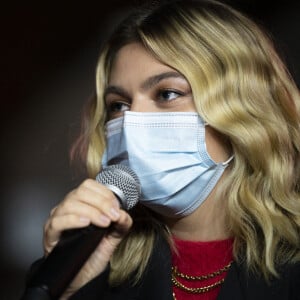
(285, 286)
(292, 276)
(243, 284)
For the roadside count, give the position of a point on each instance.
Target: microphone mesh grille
(121, 178)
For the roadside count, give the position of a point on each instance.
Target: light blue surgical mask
(168, 153)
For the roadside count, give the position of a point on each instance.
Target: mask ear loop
(225, 163)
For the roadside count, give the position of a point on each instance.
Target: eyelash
(116, 109)
(115, 106)
(161, 98)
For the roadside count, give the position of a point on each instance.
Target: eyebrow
(146, 85)
(154, 80)
(112, 89)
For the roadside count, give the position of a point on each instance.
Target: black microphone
(76, 245)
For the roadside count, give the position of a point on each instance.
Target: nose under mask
(168, 153)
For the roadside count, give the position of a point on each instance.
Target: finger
(104, 192)
(96, 186)
(122, 226)
(99, 216)
(83, 198)
(109, 242)
(54, 227)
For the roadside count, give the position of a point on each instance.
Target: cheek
(217, 145)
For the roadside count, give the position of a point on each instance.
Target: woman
(209, 119)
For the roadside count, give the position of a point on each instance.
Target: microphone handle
(63, 263)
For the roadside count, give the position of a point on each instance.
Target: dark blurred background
(48, 55)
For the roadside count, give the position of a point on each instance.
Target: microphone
(76, 245)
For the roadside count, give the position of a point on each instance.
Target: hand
(90, 203)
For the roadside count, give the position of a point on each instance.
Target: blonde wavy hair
(243, 90)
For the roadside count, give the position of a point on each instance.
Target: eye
(168, 95)
(116, 109)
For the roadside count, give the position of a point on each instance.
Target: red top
(201, 258)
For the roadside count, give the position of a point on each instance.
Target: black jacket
(156, 283)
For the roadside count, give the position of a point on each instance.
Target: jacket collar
(232, 287)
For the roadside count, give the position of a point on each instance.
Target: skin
(140, 83)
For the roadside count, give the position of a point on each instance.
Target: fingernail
(84, 220)
(104, 220)
(116, 203)
(114, 213)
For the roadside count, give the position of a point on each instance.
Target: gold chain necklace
(176, 273)
(199, 290)
(202, 277)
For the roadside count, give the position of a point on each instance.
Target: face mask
(167, 151)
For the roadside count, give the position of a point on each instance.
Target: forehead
(134, 61)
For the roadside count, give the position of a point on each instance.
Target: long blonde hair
(243, 90)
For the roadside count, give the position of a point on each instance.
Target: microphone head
(123, 182)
